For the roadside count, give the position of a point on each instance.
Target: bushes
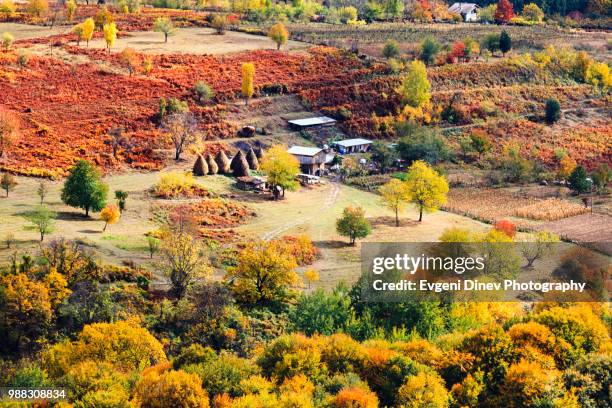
(553, 111)
(176, 184)
(391, 49)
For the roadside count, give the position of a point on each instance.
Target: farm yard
(189, 191)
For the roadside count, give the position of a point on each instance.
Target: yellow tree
(279, 34)
(427, 189)
(57, 287)
(37, 8)
(423, 390)
(9, 125)
(415, 88)
(248, 74)
(281, 168)
(27, 308)
(311, 276)
(394, 195)
(71, 7)
(110, 215)
(171, 389)
(110, 35)
(263, 273)
(184, 260)
(89, 26)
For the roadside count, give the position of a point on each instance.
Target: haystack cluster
(238, 166)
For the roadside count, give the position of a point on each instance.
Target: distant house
(352, 146)
(468, 11)
(312, 159)
(299, 124)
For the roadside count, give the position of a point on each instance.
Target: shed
(352, 146)
(311, 159)
(468, 11)
(306, 179)
(319, 121)
(251, 183)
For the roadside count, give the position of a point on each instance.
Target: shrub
(578, 180)
(38, 8)
(423, 389)
(391, 49)
(171, 389)
(532, 12)
(7, 40)
(174, 184)
(429, 49)
(347, 14)
(7, 7)
(553, 111)
(203, 91)
(219, 23)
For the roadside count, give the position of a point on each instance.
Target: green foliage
(84, 188)
(42, 220)
(415, 87)
(323, 313)
(578, 180)
(491, 42)
(429, 49)
(203, 91)
(505, 42)
(223, 374)
(391, 49)
(353, 224)
(420, 143)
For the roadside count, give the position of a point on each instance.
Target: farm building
(312, 159)
(299, 124)
(352, 146)
(251, 183)
(468, 11)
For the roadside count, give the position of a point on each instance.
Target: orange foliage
(355, 397)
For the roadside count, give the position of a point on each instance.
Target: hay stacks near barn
(239, 165)
(212, 165)
(252, 160)
(200, 167)
(223, 163)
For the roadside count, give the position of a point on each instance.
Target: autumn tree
(181, 129)
(38, 8)
(42, 190)
(110, 35)
(171, 389)
(353, 224)
(84, 188)
(110, 215)
(531, 12)
(9, 126)
(219, 23)
(184, 259)
(7, 8)
(164, 25)
(263, 273)
(87, 29)
(415, 88)
(279, 34)
(248, 74)
(27, 308)
(542, 245)
(42, 220)
(129, 59)
(153, 245)
(426, 188)
(7, 40)
(8, 183)
(394, 195)
(71, 7)
(281, 168)
(423, 390)
(311, 276)
(503, 12)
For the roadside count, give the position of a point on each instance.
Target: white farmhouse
(468, 11)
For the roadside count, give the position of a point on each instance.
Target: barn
(312, 159)
(468, 11)
(352, 146)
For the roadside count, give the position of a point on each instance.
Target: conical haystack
(252, 160)
(200, 167)
(223, 162)
(259, 152)
(212, 165)
(239, 165)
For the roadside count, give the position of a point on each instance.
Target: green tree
(429, 49)
(578, 180)
(427, 189)
(394, 9)
(121, 197)
(420, 143)
(42, 220)
(415, 87)
(601, 177)
(383, 155)
(505, 42)
(164, 25)
(353, 224)
(391, 49)
(84, 188)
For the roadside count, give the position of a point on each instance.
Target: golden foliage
(423, 389)
(171, 389)
(279, 34)
(355, 397)
(248, 74)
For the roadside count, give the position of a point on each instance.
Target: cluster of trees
(252, 340)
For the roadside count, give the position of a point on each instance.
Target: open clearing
(27, 31)
(194, 40)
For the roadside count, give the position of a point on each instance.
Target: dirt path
(329, 202)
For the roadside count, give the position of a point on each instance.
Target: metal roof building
(353, 145)
(311, 122)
